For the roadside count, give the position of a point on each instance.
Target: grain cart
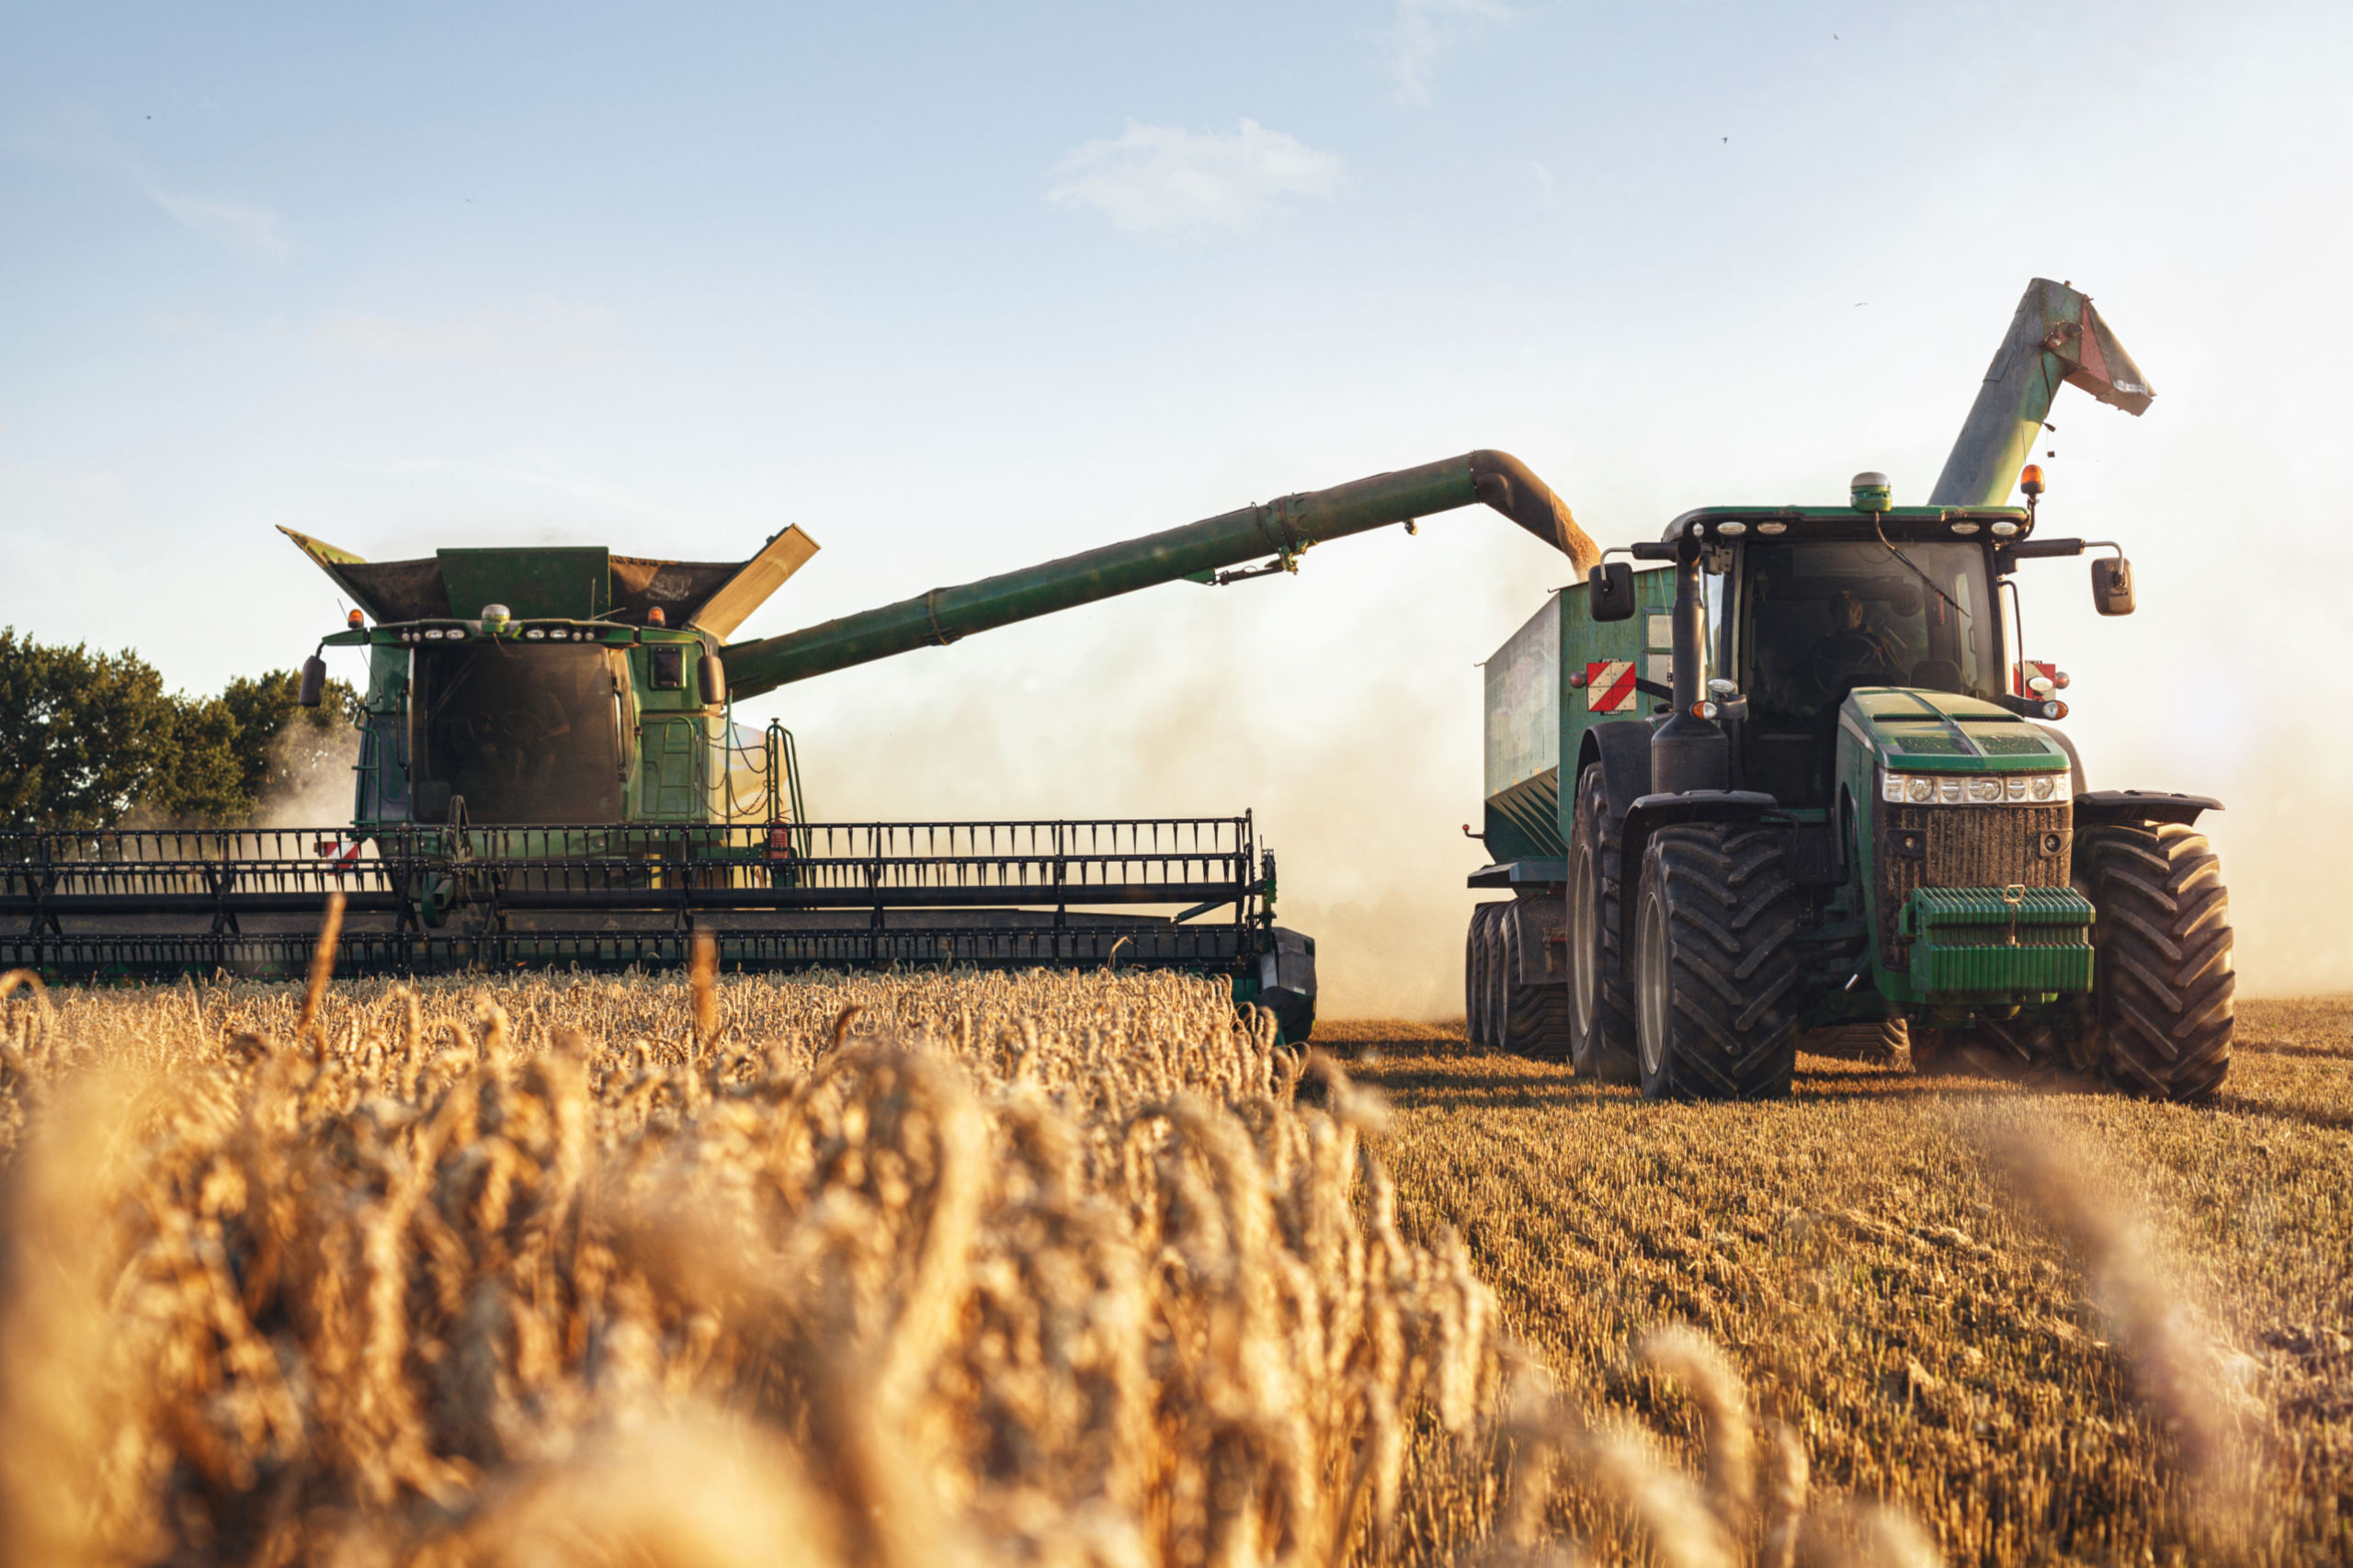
(1799, 782)
(550, 775)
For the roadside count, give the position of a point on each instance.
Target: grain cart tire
(1601, 1015)
(2162, 982)
(1471, 956)
(1535, 1004)
(1492, 975)
(1478, 988)
(1716, 918)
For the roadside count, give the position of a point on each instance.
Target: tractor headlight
(2044, 786)
(2015, 786)
(1985, 790)
(1916, 789)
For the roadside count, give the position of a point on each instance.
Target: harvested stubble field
(2055, 1327)
(1074, 1269)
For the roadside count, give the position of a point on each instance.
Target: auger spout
(1282, 528)
(2055, 336)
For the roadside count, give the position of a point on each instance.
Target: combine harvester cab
(1799, 787)
(549, 776)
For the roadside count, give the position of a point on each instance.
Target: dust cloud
(1360, 787)
(310, 782)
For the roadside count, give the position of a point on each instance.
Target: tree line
(92, 739)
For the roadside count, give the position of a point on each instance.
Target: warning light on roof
(656, 618)
(2030, 478)
(353, 620)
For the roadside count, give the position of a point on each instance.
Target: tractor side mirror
(2112, 586)
(714, 680)
(313, 685)
(1610, 591)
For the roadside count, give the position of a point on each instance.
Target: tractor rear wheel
(1535, 1012)
(1601, 1017)
(1715, 961)
(2162, 982)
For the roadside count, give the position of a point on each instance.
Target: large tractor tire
(1536, 1004)
(1477, 958)
(1601, 1010)
(1716, 919)
(2161, 968)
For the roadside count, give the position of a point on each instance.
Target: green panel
(1525, 820)
(544, 583)
(673, 780)
(1523, 701)
(1585, 641)
(1980, 941)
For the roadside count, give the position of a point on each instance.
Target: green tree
(81, 734)
(86, 739)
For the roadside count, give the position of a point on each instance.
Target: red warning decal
(1610, 685)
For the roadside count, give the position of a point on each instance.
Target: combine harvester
(549, 776)
(1845, 817)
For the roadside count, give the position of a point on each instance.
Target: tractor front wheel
(1715, 959)
(2161, 971)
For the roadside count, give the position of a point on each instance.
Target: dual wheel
(1700, 1009)
(1513, 995)
(2159, 1019)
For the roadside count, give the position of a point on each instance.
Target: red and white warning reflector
(1610, 685)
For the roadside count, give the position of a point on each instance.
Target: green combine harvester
(549, 776)
(1797, 786)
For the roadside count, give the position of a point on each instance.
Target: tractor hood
(1940, 732)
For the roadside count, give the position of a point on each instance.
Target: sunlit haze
(961, 289)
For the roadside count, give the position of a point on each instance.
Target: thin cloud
(550, 334)
(253, 230)
(1422, 29)
(1165, 179)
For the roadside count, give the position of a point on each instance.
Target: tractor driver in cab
(1850, 654)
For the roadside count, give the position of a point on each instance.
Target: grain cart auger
(1801, 785)
(550, 775)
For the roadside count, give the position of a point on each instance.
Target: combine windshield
(1820, 619)
(524, 733)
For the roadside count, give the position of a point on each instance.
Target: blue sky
(958, 288)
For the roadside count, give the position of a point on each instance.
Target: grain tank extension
(1796, 785)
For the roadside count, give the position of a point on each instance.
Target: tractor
(1796, 786)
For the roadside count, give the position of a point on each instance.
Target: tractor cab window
(1823, 618)
(525, 733)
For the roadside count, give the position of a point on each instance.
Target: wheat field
(1083, 1269)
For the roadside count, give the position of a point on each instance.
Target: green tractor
(1846, 819)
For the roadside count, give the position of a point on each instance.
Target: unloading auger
(549, 775)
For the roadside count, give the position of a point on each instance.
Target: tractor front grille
(1964, 846)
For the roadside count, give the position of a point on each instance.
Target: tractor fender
(1623, 746)
(2075, 761)
(2140, 806)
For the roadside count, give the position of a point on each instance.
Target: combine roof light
(534, 634)
(1772, 528)
(1964, 529)
(656, 618)
(496, 618)
(354, 620)
(2003, 529)
(433, 634)
(456, 633)
(1731, 531)
(2030, 478)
